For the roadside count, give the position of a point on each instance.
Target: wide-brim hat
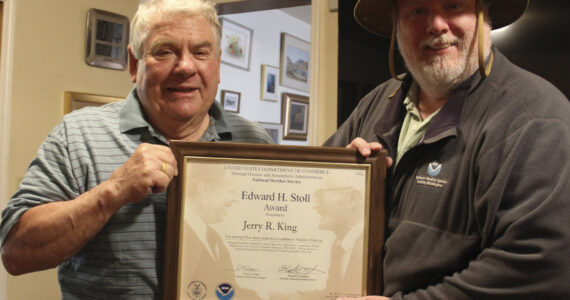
(376, 15)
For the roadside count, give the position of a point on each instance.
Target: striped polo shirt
(125, 259)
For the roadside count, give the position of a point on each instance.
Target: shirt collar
(133, 119)
(444, 123)
(411, 100)
(218, 130)
(132, 115)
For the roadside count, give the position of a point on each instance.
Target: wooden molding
(237, 7)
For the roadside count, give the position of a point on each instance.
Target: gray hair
(154, 11)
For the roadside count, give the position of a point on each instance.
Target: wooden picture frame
(269, 82)
(76, 100)
(236, 42)
(295, 61)
(274, 130)
(295, 116)
(257, 161)
(231, 101)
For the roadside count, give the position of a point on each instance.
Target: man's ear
(133, 64)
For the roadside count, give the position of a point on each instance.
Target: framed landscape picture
(236, 44)
(274, 130)
(295, 116)
(269, 80)
(230, 101)
(295, 55)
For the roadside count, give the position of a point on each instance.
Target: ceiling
(302, 13)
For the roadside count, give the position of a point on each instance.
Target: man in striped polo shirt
(93, 200)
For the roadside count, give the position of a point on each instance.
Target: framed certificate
(250, 221)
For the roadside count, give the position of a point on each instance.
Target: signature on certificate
(299, 270)
(246, 268)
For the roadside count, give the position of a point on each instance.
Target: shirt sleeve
(49, 178)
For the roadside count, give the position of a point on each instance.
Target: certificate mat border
(278, 154)
(287, 163)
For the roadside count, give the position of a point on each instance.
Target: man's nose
(437, 23)
(185, 66)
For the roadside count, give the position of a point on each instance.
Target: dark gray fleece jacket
(480, 207)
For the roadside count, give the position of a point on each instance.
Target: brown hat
(376, 15)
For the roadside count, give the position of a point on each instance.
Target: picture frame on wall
(77, 100)
(274, 130)
(295, 60)
(295, 116)
(230, 101)
(269, 81)
(236, 44)
(107, 36)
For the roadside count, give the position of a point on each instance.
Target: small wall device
(107, 36)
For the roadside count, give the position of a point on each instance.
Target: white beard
(440, 75)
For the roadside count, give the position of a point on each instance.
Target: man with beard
(479, 157)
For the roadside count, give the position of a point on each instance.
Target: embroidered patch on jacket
(434, 168)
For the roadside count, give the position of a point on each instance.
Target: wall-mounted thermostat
(107, 38)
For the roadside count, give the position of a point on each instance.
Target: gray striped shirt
(125, 259)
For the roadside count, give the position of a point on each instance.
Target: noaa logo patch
(224, 291)
(434, 168)
(196, 290)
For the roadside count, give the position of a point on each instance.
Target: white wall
(267, 27)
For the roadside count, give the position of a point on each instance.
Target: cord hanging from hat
(393, 48)
(484, 70)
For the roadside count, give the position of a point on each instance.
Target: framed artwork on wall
(236, 44)
(295, 116)
(295, 55)
(230, 101)
(269, 80)
(76, 100)
(274, 130)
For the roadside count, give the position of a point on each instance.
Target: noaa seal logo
(434, 168)
(196, 290)
(224, 291)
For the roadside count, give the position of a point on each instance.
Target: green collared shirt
(413, 127)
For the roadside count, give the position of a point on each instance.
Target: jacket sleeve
(522, 202)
